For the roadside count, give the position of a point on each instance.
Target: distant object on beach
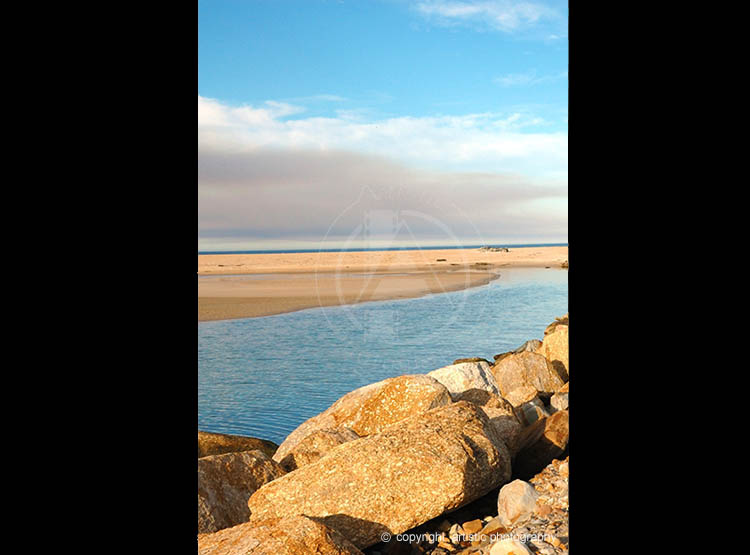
(494, 249)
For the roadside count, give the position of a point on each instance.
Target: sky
(381, 123)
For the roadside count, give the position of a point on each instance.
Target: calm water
(263, 377)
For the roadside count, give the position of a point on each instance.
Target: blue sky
(327, 97)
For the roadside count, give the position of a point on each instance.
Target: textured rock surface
(296, 535)
(371, 408)
(540, 443)
(484, 399)
(390, 482)
(516, 502)
(555, 346)
(501, 413)
(531, 345)
(523, 394)
(218, 444)
(458, 378)
(559, 400)
(314, 446)
(527, 369)
(225, 483)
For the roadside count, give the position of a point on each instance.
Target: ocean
(263, 377)
(455, 247)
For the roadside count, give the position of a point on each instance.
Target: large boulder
(218, 444)
(294, 535)
(464, 376)
(555, 346)
(540, 443)
(225, 483)
(314, 446)
(412, 472)
(372, 408)
(527, 369)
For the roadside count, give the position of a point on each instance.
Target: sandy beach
(249, 285)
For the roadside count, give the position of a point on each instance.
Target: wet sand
(249, 285)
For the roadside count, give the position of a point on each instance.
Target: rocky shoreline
(469, 458)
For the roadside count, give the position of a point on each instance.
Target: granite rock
(516, 503)
(527, 369)
(559, 401)
(225, 483)
(540, 443)
(458, 378)
(294, 535)
(218, 444)
(413, 471)
(314, 446)
(501, 413)
(372, 408)
(555, 348)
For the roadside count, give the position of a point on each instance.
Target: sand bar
(251, 285)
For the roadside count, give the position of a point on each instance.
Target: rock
(559, 321)
(564, 265)
(225, 483)
(500, 412)
(484, 398)
(472, 359)
(540, 443)
(506, 426)
(372, 408)
(501, 356)
(314, 446)
(285, 536)
(516, 502)
(542, 509)
(555, 346)
(527, 369)
(412, 472)
(456, 533)
(530, 412)
(493, 527)
(559, 401)
(527, 405)
(218, 444)
(509, 546)
(531, 346)
(458, 378)
(473, 526)
(522, 395)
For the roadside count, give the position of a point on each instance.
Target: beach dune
(250, 285)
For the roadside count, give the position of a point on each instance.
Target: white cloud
(263, 178)
(528, 78)
(503, 15)
(477, 142)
